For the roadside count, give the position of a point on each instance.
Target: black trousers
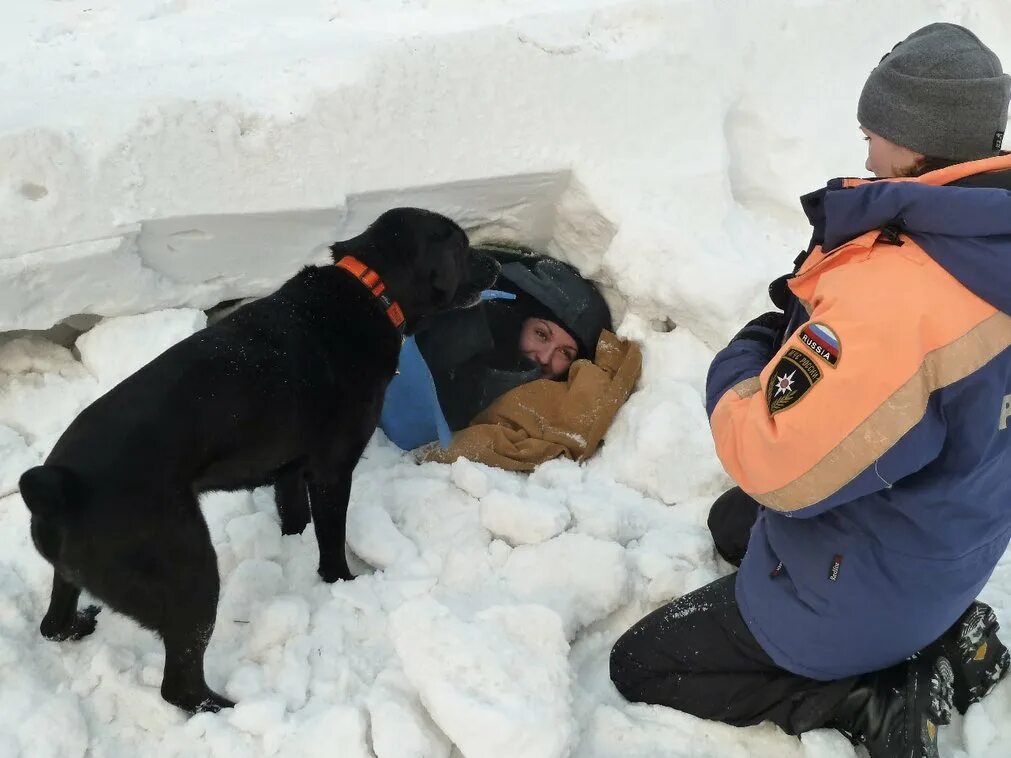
(697, 655)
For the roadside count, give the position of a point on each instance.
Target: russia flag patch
(823, 342)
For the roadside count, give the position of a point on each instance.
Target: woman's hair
(927, 164)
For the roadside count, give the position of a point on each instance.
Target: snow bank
(162, 156)
(219, 148)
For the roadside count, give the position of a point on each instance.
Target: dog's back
(229, 405)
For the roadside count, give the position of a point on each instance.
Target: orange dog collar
(371, 279)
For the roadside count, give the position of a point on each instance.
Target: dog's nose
(484, 270)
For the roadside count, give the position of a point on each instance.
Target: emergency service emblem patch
(823, 342)
(794, 375)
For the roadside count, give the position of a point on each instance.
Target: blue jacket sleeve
(411, 414)
(741, 359)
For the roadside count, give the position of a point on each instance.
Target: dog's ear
(447, 252)
(444, 273)
(353, 246)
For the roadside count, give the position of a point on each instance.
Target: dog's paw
(214, 703)
(204, 700)
(50, 632)
(330, 575)
(293, 526)
(83, 624)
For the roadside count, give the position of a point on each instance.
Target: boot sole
(979, 625)
(942, 689)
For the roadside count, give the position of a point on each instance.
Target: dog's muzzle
(483, 273)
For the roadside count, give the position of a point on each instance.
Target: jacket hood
(961, 217)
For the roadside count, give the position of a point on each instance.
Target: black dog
(287, 389)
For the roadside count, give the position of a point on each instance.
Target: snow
(498, 685)
(111, 352)
(665, 420)
(582, 578)
(160, 157)
(523, 520)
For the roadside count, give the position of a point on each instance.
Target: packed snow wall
(164, 154)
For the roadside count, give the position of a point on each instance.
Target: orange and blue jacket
(878, 436)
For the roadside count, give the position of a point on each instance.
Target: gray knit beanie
(940, 92)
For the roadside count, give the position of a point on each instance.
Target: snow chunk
(560, 475)
(660, 444)
(825, 743)
(37, 355)
(979, 731)
(401, 728)
(245, 682)
(499, 686)
(277, 621)
(55, 729)
(583, 579)
(254, 535)
(250, 581)
(257, 716)
(611, 511)
(117, 347)
(337, 730)
(470, 477)
(671, 559)
(374, 538)
(40, 406)
(523, 520)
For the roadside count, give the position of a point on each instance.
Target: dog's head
(424, 259)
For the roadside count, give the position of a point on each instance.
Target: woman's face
(886, 159)
(548, 345)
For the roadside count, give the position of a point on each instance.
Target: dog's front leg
(329, 503)
(292, 498)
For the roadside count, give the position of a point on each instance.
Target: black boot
(978, 659)
(895, 713)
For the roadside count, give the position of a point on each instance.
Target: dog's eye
(444, 233)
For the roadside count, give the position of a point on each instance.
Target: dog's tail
(48, 491)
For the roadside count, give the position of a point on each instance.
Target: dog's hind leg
(292, 498)
(63, 621)
(183, 682)
(191, 604)
(167, 581)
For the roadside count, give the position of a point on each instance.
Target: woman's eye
(542, 334)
